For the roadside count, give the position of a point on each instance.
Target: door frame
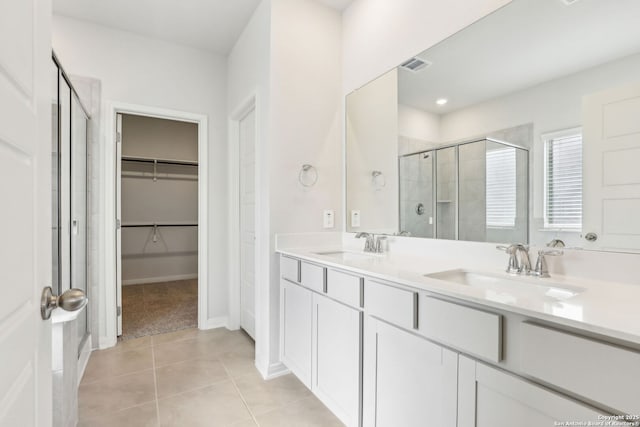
(109, 330)
(235, 302)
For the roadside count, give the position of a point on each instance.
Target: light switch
(327, 218)
(355, 218)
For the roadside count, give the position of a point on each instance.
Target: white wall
(418, 124)
(249, 76)
(144, 71)
(380, 34)
(282, 57)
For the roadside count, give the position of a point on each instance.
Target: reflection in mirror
(562, 82)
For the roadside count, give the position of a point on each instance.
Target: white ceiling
(214, 25)
(337, 4)
(521, 45)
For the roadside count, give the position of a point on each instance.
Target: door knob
(70, 300)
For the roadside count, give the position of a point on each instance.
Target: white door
(611, 177)
(336, 354)
(25, 216)
(492, 398)
(407, 379)
(247, 137)
(118, 230)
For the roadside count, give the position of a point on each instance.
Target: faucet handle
(541, 269)
(513, 267)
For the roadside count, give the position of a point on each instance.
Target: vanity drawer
(472, 331)
(345, 287)
(394, 305)
(593, 369)
(312, 276)
(290, 268)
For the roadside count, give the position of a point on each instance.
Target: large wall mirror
(523, 127)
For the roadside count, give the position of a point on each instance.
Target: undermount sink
(509, 286)
(346, 255)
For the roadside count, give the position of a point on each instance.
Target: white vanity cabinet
(295, 319)
(489, 397)
(336, 357)
(321, 334)
(408, 381)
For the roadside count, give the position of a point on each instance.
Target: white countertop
(611, 309)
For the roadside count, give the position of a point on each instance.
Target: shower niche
(475, 190)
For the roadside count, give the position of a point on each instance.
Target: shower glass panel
(65, 184)
(55, 183)
(493, 192)
(79, 207)
(416, 194)
(446, 197)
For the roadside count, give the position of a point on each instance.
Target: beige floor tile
(239, 363)
(188, 375)
(134, 344)
(216, 405)
(184, 334)
(115, 361)
(115, 393)
(179, 351)
(309, 412)
(264, 396)
(138, 416)
(247, 423)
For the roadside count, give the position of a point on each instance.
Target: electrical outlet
(355, 218)
(327, 218)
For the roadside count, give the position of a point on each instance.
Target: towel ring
(378, 180)
(308, 175)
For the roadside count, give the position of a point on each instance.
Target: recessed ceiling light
(442, 101)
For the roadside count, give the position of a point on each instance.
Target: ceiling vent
(415, 64)
(569, 2)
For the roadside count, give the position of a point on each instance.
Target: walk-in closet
(157, 230)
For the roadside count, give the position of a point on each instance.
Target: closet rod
(162, 161)
(157, 225)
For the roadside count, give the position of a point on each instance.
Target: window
(501, 187)
(563, 179)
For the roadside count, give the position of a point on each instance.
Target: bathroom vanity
(401, 340)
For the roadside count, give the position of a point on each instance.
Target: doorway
(157, 202)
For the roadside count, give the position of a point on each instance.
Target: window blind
(563, 181)
(501, 187)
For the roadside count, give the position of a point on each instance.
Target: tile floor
(156, 308)
(192, 378)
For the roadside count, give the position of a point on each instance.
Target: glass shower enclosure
(69, 193)
(475, 191)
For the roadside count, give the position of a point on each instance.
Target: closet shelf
(159, 161)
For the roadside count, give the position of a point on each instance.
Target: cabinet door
(295, 342)
(409, 381)
(492, 398)
(336, 351)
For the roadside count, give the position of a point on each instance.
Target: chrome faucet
(369, 244)
(522, 264)
(517, 265)
(372, 244)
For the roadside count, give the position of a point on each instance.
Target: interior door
(25, 217)
(119, 222)
(247, 222)
(611, 177)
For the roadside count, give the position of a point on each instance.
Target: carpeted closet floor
(158, 308)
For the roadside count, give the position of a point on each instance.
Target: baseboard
(216, 322)
(83, 360)
(276, 370)
(107, 342)
(159, 279)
